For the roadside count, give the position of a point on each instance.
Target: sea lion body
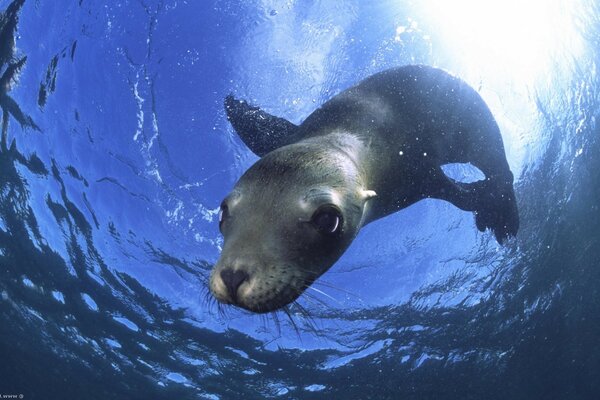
(372, 150)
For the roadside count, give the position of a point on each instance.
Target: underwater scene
(118, 149)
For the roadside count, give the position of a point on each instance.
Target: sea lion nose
(232, 280)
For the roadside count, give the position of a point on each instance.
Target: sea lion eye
(223, 214)
(327, 220)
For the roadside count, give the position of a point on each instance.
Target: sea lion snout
(233, 279)
(255, 281)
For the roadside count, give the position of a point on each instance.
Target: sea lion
(371, 150)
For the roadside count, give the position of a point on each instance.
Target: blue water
(108, 212)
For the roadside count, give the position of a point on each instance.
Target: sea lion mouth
(281, 299)
(270, 305)
(277, 299)
(258, 294)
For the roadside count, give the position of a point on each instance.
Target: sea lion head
(287, 220)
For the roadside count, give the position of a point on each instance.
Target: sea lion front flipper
(261, 132)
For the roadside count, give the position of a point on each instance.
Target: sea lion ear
(261, 132)
(367, 194)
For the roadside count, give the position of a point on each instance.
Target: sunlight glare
(506, 37)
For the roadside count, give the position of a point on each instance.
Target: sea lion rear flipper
(491, 199)
(496, 208)
(261, 132)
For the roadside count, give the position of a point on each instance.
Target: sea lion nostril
(232, 280)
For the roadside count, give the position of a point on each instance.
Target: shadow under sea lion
(370, 151)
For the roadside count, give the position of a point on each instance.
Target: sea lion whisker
(314, 299)
(221, 311)
(205, 300)
(215, 305)
(306, 270)
(308, 319)
(324, 294)
(331, 286)
(264, 321)
(287, 312)
(209, 300)
(276, 320)
(314, 302)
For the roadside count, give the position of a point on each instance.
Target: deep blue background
(108, 215)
